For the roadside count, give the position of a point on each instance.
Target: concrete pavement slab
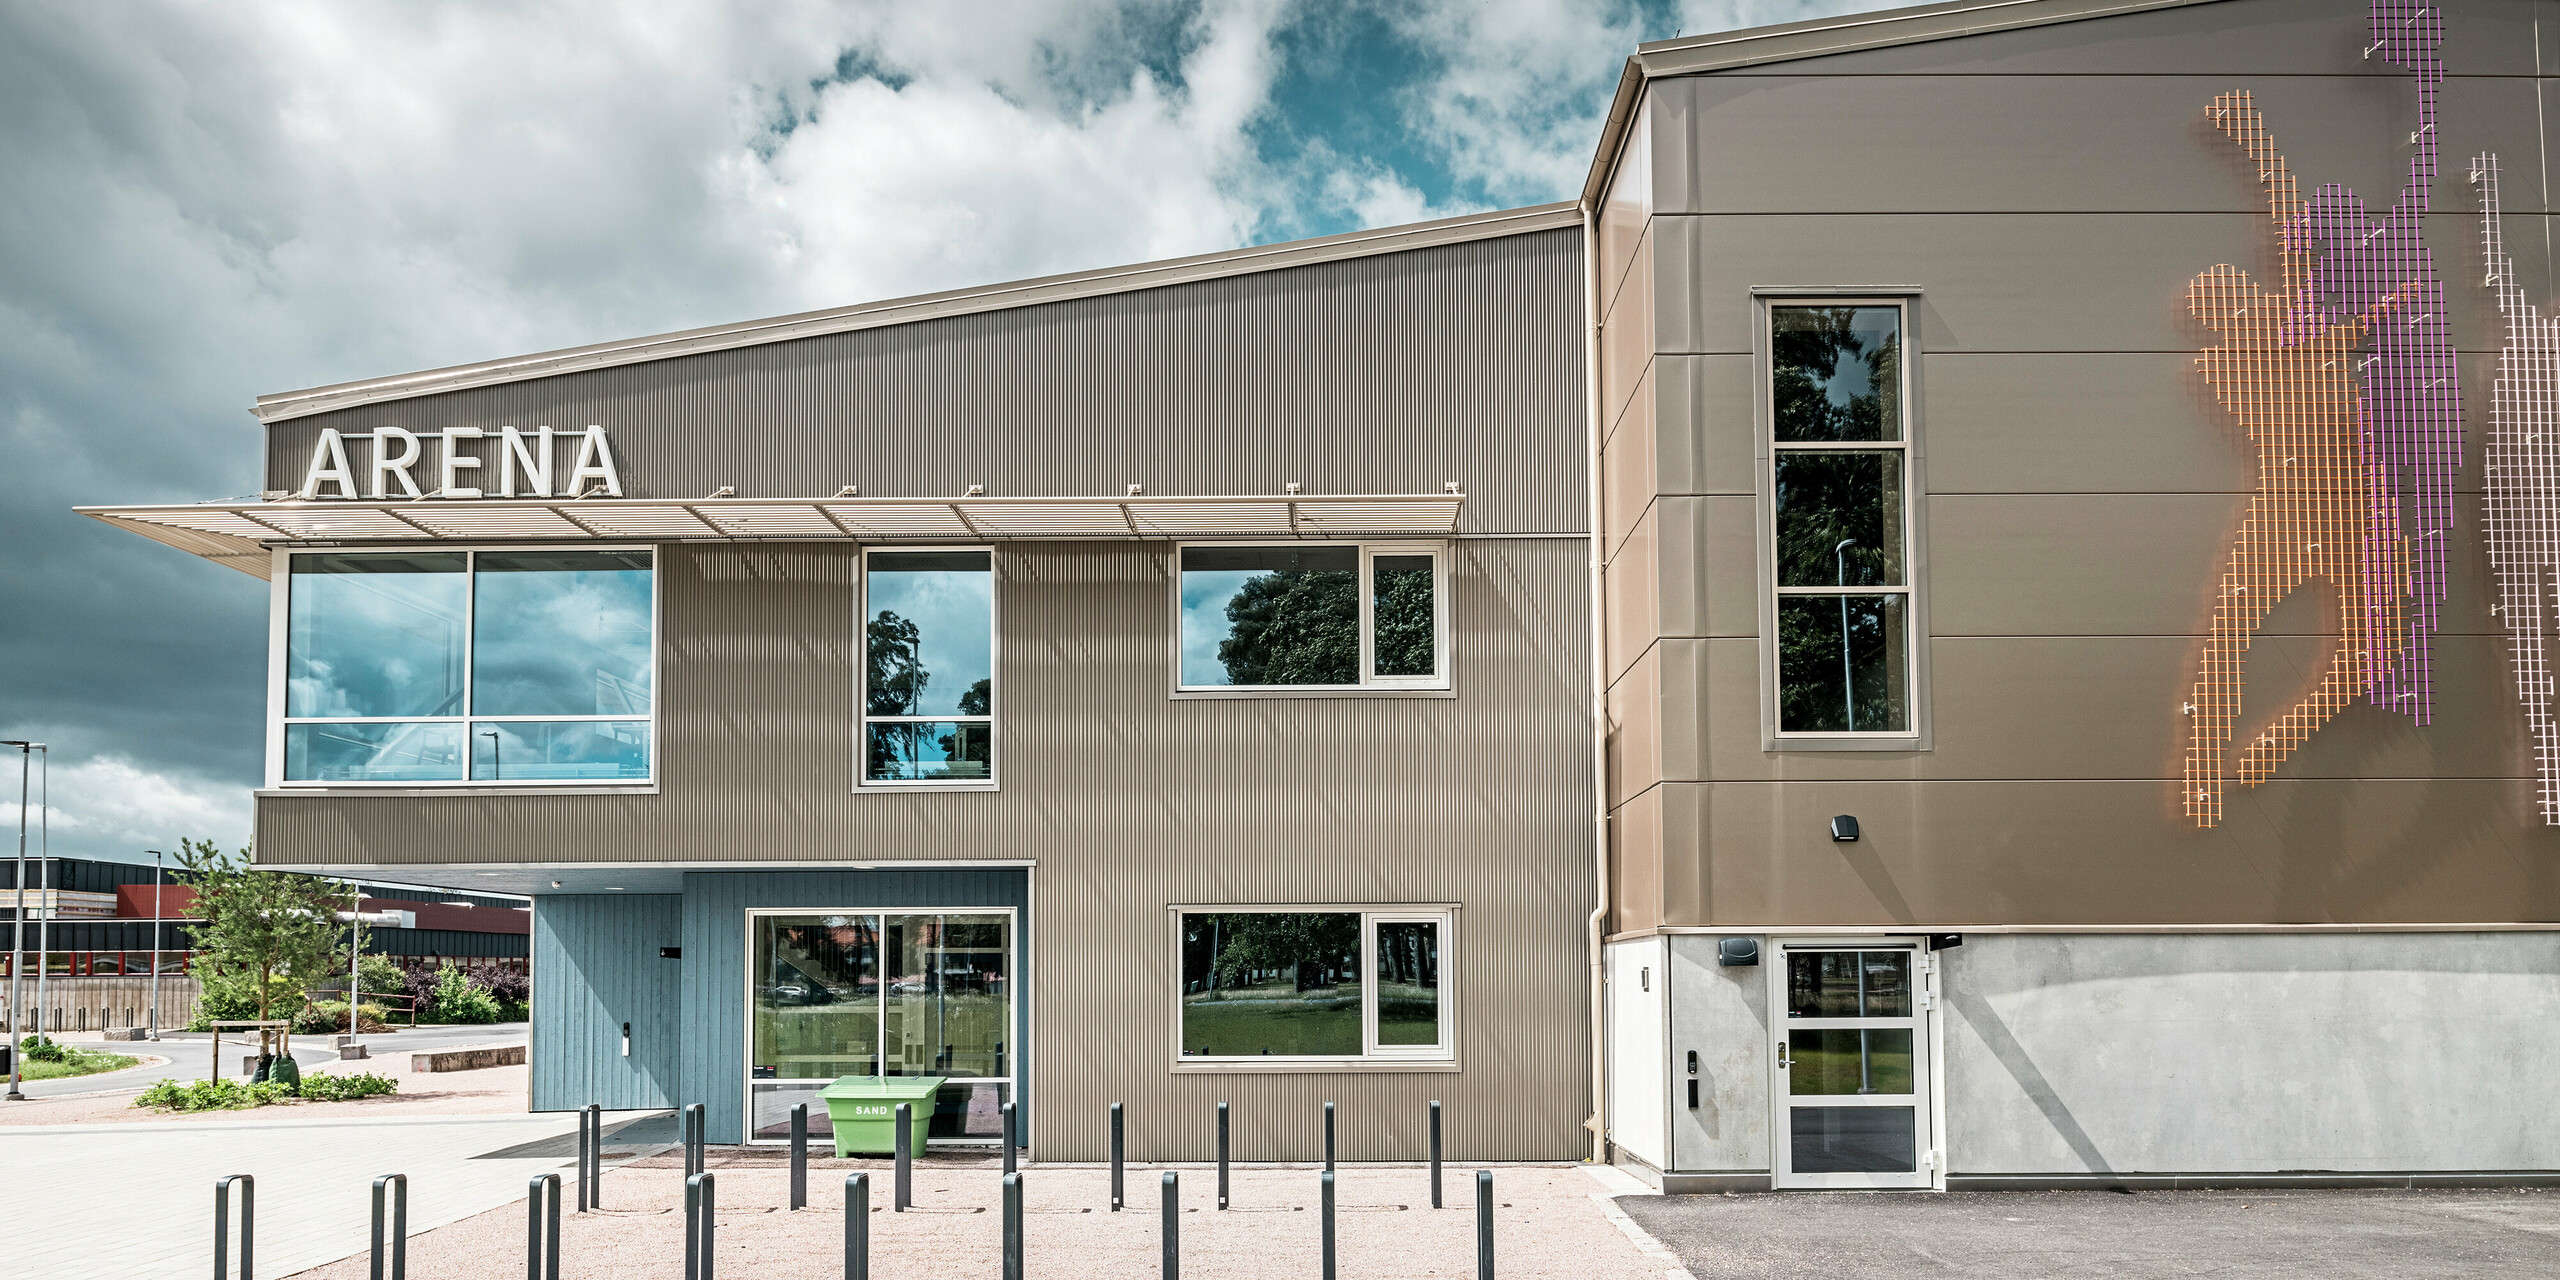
(2334, 1235)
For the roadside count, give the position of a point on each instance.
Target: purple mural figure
(2412, 397)
(2521, 513)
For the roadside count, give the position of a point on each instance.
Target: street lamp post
(156, 913)
(1840, 578)
(18, 917)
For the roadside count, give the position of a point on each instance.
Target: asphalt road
(189, 1054)
(2333, 1235)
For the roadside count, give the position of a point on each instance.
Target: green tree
(1402, 628)
(894, 681)
(1306, 945)
(273, 932)
(1294, 626)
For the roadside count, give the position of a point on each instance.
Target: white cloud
(1522, 87)
(109, 807)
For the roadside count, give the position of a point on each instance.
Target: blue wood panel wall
(715, 963)
(595, 967)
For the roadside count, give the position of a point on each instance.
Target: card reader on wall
(626, 1039)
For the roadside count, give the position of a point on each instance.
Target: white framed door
(1851, 1071)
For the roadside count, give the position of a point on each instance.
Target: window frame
(1017, 992)
(1372, 1057)
(1765, 450)
(863, 783)
(279, 664)
(1439, 684)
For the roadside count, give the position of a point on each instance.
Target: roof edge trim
(1822, 37)
(1036, 291)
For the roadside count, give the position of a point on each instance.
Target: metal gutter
(1599, 923)
(288, 405)
(1822, 37)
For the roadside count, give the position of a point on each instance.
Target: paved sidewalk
(135, 1201)
(2332, 1235)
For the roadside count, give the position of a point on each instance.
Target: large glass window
(1313, 984)
(1325, 615)
(1838, 497)
(469, 666)
(928, 686)
(882, 994)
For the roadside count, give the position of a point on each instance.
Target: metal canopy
(239, 534)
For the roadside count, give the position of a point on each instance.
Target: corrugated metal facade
(1388, 374)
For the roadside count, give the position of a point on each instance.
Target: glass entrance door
(1852, 1066)
(869, 993)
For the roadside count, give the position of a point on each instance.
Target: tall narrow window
(1838, 480)
(468, 666)
(928, 683)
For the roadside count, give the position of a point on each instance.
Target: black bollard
(1172, 1229)
(399, 1239)
(1328, 1137)
(693, 1140)
(800, 1157)
(701, 1218)
(1012, 1134)
(1013, 1226)
(902, 1188)
(1484, 1224)
(222, 1224)
(1324, 1187)
(595, 1156)
(586, 1125)
(542, 1248)
(1222, 1155)
(1118, 1151)
(1435, 1153)
(857, 1227)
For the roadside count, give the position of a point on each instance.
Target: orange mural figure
(2292, 381)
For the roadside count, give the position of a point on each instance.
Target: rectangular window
(928, 683)
(869, 993)
(1314, 616)
(1839, 502)
(469, 667)
(1340, 984)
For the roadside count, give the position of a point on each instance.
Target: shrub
(43, 1049)
(330, 1088)
(460, 998)
(331, 1015)
(211, 1095)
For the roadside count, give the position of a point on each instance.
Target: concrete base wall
(2366, 1052)
(2093, 1056)
(96, 1004)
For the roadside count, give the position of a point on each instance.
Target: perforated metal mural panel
(2521, 512)
(2357, 444)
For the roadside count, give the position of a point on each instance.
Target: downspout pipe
(1599, 923)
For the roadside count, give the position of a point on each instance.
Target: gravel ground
(2332, 1235)
(488, 1091)
(1552, 1221)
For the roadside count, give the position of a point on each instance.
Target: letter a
(329, 466)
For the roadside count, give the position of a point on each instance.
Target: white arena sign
(524, 462)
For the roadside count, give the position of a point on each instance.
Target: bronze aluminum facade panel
(1955, 854)
(1130, 800)
(1387, 374)
(2081, 492)
(2265, 38)
(2094, 144)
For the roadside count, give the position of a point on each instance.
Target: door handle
(1785, 1059)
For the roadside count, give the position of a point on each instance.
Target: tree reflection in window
(1294, 626)
(1836, 373)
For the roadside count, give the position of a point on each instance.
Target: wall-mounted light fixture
(1844, 828)
(1732, 952)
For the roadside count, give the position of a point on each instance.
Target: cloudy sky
(206, 202)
